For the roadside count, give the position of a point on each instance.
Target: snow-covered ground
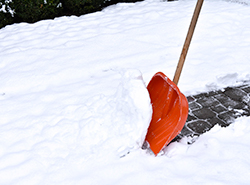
(74, 108)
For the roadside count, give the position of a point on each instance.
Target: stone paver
(220, 107)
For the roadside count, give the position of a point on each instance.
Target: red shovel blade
(170, 111)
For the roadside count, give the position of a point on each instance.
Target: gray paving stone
(228, 118)
(204, 113)
(199, 126)
(208, 101)
(246, 89)
(241, 105)
(194, 106)
(226, 101)
(191, 117)
(215, 121)
(190, 99)
(186, 131)
(235, 94)
(220, 107)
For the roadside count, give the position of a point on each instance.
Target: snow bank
(118, 123)
(74, 108)
(50, 129)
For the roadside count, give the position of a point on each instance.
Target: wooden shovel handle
(187, 41)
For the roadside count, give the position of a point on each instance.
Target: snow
(74, 105)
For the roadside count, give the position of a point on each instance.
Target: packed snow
(74, 105)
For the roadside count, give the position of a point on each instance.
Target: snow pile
(50, 129)
(117, 123)
(74, 108)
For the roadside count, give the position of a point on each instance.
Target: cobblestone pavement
(220, 107)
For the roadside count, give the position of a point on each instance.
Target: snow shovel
(170, 106)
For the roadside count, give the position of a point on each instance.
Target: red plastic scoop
(170, 111)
